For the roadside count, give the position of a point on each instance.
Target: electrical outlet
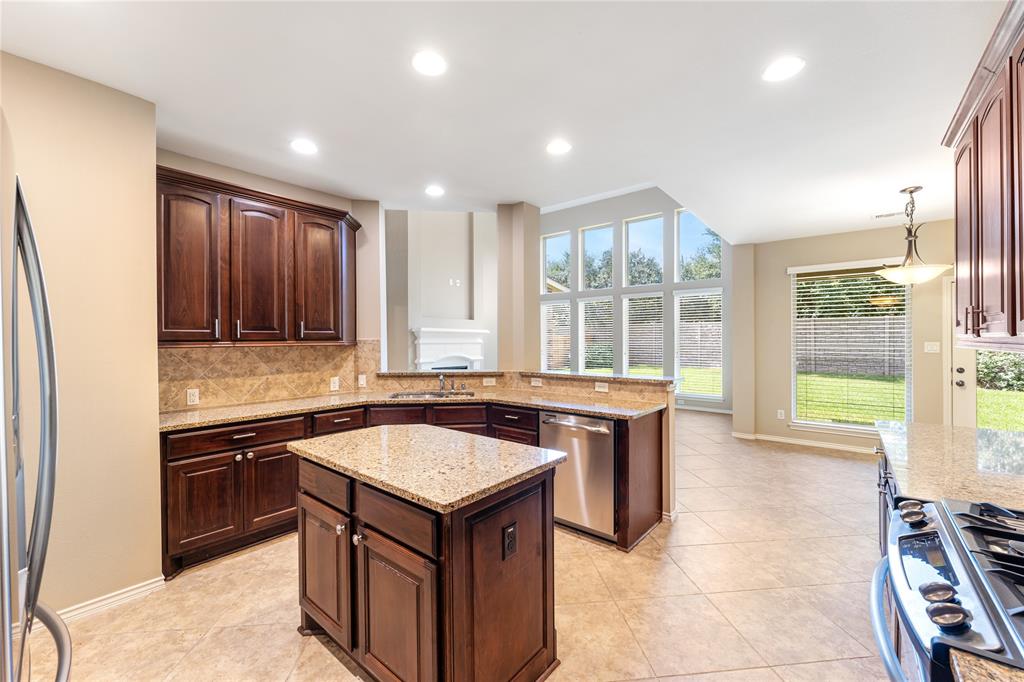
(600, 387)
(192, 396)
(536, 381)
(362, 380)
(781, 414)
(509, 541)
(490, 381)
(932, 347)
(335, 383)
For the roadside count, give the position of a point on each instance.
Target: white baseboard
(98, 604)
(859, 449)
(669, 516)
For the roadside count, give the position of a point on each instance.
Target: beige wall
(742, 313)
(772, 383)
(518, 286)
(369, 243)
(86, 156)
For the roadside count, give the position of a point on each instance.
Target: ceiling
(665, 94)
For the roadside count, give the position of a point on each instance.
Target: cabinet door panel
(325, 577)
(1018, 223)
(271, 481)
(259, 264)
(397, 610)
(995, 276)
(203, 501)
(188, 264)
(966, 234)
(348, 285)
(318, 288)
(514, 435)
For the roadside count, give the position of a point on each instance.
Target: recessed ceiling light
(303, 146)
(783, 68)
(429, 63)
(559, 146)
(434, 190)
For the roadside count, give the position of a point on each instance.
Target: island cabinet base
(411, 594)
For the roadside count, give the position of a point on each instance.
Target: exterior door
(259, 258)
(318, 290)
(270, 483)
(397, 610)
(325, 578)
(189, 246)
(204, 501)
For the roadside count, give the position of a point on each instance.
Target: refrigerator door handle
(61, 637)
(39, 536)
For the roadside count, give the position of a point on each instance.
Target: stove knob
(915, 518)
(910, 505)
(937, 592)
(949, 617)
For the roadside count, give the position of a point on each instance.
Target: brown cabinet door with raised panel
(318, 290)
(325, 568)
(1018, 223)
(204, 501)
(189, 237)
(994, 217)
(260, 243)
(270, 483)
(966, 234)
(397, 592)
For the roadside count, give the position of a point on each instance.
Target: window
(555, 336)
(699, 343)
(851, 348)
(597, 342)
(700, 249)
(645, 335)
(644, 251)
(597, 257)
(556, 263)
(1000, 398)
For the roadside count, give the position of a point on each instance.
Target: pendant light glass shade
(913, 270)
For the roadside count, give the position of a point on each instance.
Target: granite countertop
(970, 668)
(610, 408)
(438, 468)
(932, 461)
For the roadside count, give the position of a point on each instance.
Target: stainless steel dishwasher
(585, 482)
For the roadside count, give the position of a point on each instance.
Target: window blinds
(555, 336)
(645, 335)
(851, 348)
(699, 343)
(598, 337)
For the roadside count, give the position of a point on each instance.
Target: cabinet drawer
(236, 436)
(406, 523)
(397, 415)
(459, 414)
(475, 429)
(339, 420)
(515, 435)
(329, 486)
(510, 416)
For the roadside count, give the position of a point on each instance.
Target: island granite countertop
(438, 468)
(607, 407)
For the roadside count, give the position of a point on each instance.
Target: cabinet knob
(238, 457)
(249, 455)
(340, 528)
(357, 538)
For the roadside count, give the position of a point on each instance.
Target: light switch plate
(781, 414)
(362, 380)
(335, 383)
(490, 381)
(932, 347)
(192, 396)
(536, 381)
(600, 387)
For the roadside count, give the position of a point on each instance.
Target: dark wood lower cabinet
(204, 503)
(269, 483)
(515, 435)
(325, 557)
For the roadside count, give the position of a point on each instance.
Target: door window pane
(554, 336)
(597, 257)
(556, 263)
(1000, 390)
(645, 335)
(597, 345)
(645, 250)
(700, 249)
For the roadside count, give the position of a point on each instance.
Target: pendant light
(913, 270)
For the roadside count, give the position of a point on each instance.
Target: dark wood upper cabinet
(189, 247)
(259, 273)
(966, 234)
(318, 284)
(1017, 230)
(270, 482)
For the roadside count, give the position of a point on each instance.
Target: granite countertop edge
(968, 667)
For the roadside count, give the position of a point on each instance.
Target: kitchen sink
(430, 394)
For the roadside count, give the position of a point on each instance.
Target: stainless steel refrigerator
(24, 537)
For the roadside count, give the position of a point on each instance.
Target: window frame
(624, 256)
(543, 335)
(698, 291)
(676, 252)
(544, 263)
(580, 265)
(581, 345)
(625, 328)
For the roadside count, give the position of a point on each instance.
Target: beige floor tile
(322, 659)
(136, 656)
(568, 542)
(750, 675)
(251, 652)
(796, 564)
(647, 571)
(845, 605)
(687, 529)
(706, 499)
(595, 644)
(722, 568)
(577, 580)
(687, 479)
(687, 634)
(697, 462)
(849, 670)
(784, 629)
(278, 601)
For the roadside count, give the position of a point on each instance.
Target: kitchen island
(427, 553)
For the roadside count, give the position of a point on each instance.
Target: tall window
(700, 249)
(644, 251)
(645, 335)
(555, 336)
(556, 263)
(699, 343)
(597, 336)
(851, 348)
(597, 257)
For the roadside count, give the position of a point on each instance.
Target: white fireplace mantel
(443, 347)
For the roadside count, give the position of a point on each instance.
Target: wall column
(742, 307)
(518, 287)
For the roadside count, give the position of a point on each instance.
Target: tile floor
(763, 576)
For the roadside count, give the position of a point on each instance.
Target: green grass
(845, 399)
(700, 381)
(1003, 410)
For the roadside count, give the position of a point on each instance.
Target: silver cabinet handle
(249, 455)
(238, 329)
(879, 627)
(343, 420)
(238, 457)
(512, 417)
(243, 435)
(593, 429)
(302, 329)
(216, 329)
(340, 528)
(357, 538)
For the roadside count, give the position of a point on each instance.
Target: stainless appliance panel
(585, 482)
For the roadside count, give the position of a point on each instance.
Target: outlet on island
(536, 381)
